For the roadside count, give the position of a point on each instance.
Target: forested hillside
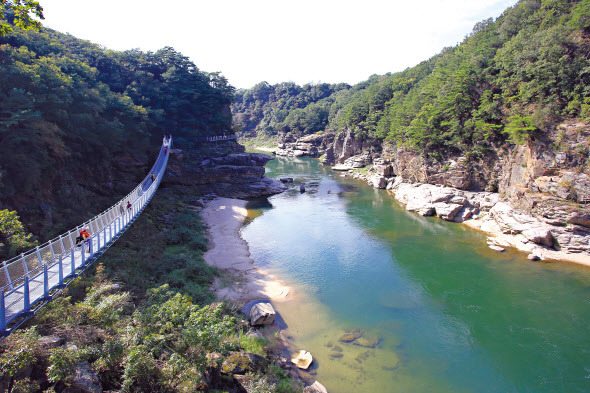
(266, 109)
(80, 124)
(513, 78)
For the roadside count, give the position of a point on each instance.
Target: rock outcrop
(535, 192)
(234, 175)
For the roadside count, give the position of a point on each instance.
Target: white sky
(278, 40)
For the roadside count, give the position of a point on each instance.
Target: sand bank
(241, 280)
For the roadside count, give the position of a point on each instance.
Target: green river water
(449, 314)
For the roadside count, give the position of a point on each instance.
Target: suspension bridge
(33, 278)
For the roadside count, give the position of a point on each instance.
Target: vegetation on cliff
(512, 78)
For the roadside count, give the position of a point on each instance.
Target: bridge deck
(29, 280)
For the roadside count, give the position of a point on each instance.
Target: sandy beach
(241, 280)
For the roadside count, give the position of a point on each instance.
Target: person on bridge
(84, 234)
(121, 208)
(153, 177)
(129, 206)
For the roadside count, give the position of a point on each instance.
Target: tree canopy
(531, 63)
(21, 13)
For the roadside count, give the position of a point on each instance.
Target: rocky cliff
(227, 172)
(543, 185)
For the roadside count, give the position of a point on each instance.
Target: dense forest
(511, 79)
(74, 116)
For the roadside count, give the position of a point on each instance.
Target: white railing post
(2, 314)
(39, 256)
(61, 270)
(45, 283)
(63, 245)
(8, 279)
(27, 299)
(25, 267)
(73, 261)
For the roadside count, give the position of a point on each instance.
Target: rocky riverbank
(565, 239)
(534, 196)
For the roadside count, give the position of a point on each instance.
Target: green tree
(13, 236)
(21, 13)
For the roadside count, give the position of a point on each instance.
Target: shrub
(19, 351)
(62, 363)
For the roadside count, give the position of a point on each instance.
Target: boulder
(534, 257)
(495, 247)
(262, 314)
(580, 219)
(316, 387)
(85, 381)
(302, 360)
(384, 170)
(350, 335)
(464, 214)
(242, 363)
(51, 341)
(341, 167)
(378, 181)
(368, 341)
(447, 211)
(539, 235)
(286, 179)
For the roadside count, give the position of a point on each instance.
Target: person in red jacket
(83, 235)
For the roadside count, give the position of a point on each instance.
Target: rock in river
(303, 359)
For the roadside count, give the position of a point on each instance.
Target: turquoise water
(450, 314)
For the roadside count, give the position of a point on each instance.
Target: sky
(303, 41)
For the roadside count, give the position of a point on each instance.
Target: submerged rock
(316, 387)
(350, 335)
(496, 247)
(368, 341)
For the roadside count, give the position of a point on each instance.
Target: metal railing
(31, 279)
(221, 138)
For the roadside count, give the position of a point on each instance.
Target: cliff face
(227, 172)
(546, 179)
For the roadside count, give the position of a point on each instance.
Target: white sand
(242, 281)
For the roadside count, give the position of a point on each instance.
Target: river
(446, 313)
